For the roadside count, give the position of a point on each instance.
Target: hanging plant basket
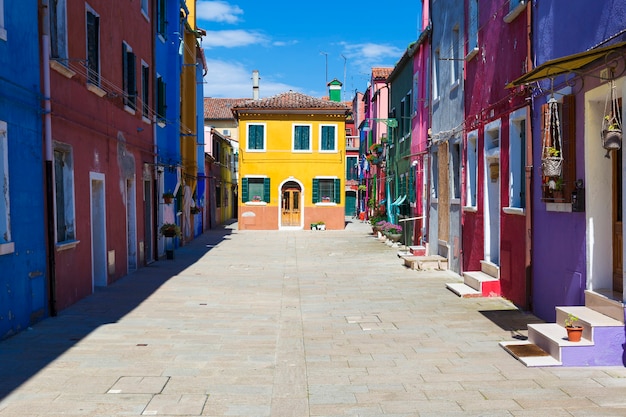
(552, 155)
(612, 122)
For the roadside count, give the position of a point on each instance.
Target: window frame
(67, 208)
(335, 137)
(161, 103)
(58, 32)
(264, 137)
(294, 129)
(93, 72)
(334, 196)
(517, 159)
(129, 73)
(471, 180)
(472, 30)
(247, 197)
(6, 244)
(161, 25)
(144, 4)
(145, 91)
(3, 29)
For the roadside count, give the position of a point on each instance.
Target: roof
(569, 63)
(291, 100)
(219, 108)
(381, 73)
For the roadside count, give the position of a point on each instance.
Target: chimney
(334, 90)
(255, 84)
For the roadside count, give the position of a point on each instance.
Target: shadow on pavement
(28, 352)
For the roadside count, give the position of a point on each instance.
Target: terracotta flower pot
(574, 333)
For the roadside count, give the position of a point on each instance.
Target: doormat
(526, 350)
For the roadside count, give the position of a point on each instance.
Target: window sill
(514, 210)
(325, 203)
(129, 109)
(471, 54)
(515, 12)
(70, 244)
(96, 90)
(470, 209)
(255, 203)
(455, 201)
(161, 124)
(7, 248)
(559, 207)
(455, 85)
(255, 150)
(328, 151)
(146, 120)
(61, 69)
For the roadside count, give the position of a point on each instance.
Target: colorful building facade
(291, 162)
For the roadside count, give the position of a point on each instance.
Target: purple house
(576, 88)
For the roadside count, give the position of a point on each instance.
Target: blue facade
(168, 65)
(23, 267)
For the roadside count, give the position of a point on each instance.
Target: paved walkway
(308, 323)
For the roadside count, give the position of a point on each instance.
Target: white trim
(321, 126)
(293, 138)
(264, 148)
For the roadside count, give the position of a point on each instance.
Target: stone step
(463, 290)
(490, 268)
(424, 263)
(418, 250)
(588, 318)
(606, 302)
(529, 353)
(484, 283)
(552, 338)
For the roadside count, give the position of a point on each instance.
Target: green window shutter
(412, 185)
(244, 190)
(316, 190)
(266, 190)
(337, 191)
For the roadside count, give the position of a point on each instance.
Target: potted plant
(393, 232)
(556, 187)
(168, 197)
(325, 199)
(611, 133)
(321, 226)
(170, 230)
(256, 198)
(574, 332)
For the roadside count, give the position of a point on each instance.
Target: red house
(97, 62)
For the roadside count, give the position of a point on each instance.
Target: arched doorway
(291, 211)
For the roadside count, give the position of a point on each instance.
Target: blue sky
(300, 45)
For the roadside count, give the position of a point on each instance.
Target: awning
(565, 64)
(399, 200)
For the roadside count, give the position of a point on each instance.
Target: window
(455, 159)
(58, 30)
(256, 137)
(255, 189)
(93, 47)
(145, 90)
(6, 246)
(218, 196)
(434, 176)
(326, 190)
(161, 18)
(456, 55)
(160, 100)
(64, 193)
(435, 85)
(472, 168)
(515, 9)
(352, 168)
(144, 7)
(517, 159)
(130, 87)
(301, 137)
(328, 138)
(472, 29)
(3, 30)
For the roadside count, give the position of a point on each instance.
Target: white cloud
(364, 56)
(218, 11)
(232, 38)
(234, 80)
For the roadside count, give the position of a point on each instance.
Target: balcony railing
(352, 143)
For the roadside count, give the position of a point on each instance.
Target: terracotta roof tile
(381, 73)
(291, 100)
(219, 108)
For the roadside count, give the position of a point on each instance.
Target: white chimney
(255, 84)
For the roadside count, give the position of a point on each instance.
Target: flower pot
(168, 200)
(394, 237)
(612, 139)
(321, 227)
(574, 333)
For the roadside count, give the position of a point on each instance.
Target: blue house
(23, 266)
(168, 66)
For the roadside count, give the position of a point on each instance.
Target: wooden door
(291, 207)
(617, 222)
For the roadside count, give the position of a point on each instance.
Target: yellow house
(291, 162)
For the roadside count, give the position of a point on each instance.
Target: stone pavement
(306, 323)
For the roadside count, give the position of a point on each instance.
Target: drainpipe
(49, 172)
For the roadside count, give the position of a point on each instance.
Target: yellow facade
(295, 178)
